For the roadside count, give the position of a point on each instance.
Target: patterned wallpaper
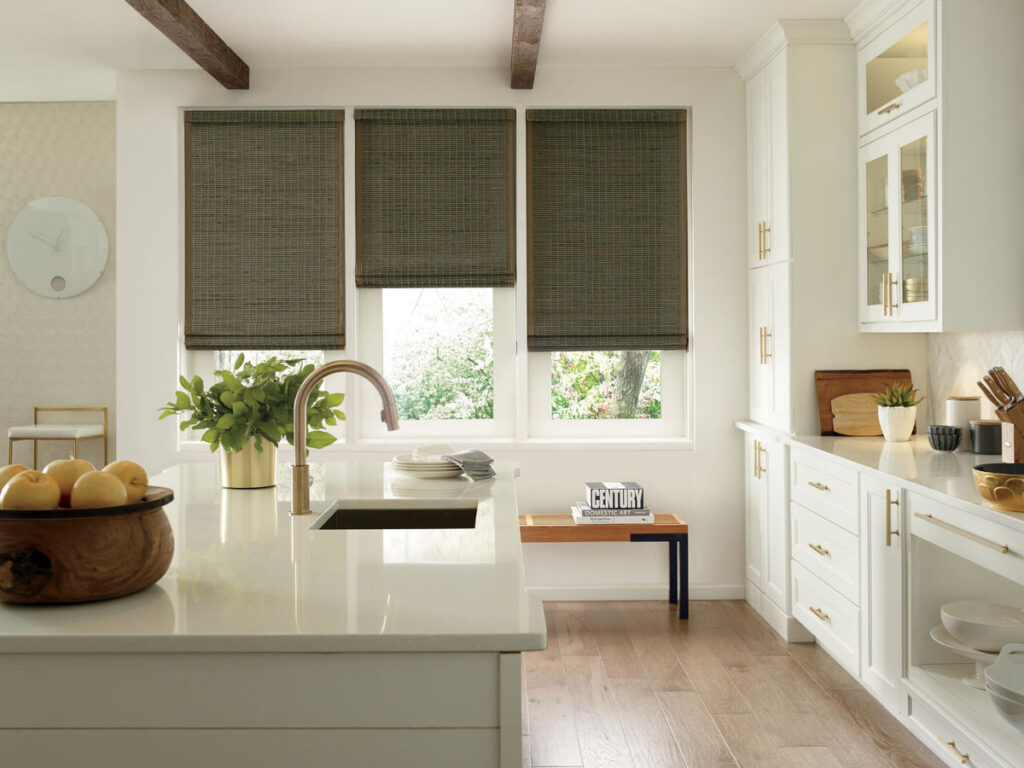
(56, 351)
(957, 360)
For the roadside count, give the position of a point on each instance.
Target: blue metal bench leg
(673, 573)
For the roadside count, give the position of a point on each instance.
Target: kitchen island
(271, 641)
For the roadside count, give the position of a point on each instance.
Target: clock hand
(46, 240)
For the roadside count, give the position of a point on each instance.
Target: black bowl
(943, 438)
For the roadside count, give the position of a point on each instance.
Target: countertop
(249, 577)
(945, 476)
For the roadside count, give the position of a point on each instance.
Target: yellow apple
(133, 476)
(30, 490)
(66, 472)
(6, 473)
(98, 489)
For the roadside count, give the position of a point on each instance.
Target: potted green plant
(248, 411)
(897, 411)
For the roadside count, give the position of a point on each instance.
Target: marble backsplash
(956, 361)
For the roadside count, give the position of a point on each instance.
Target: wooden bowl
(82, 555)
(1002, 485)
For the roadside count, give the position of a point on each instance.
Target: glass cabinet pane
(878, 228)
(897, 69)
(914, 220)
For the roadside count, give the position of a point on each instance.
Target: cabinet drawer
(940, 732)
(826, 550)
(825, 487)
(993, 546)
(831, 618)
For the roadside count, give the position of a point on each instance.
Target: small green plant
(897, 396)
(254, 401)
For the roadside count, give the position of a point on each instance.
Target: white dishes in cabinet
(984, 625)
(981, 659)
(1005, 684)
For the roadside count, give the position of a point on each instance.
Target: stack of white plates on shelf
(426, 469)
(1005, 684)
(979, 630)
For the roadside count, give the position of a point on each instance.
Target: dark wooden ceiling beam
(187, 30)
(526, 29)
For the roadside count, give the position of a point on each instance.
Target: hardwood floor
(628, 685)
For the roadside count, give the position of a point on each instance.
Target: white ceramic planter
(897, 423)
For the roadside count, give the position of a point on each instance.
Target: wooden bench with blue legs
(666, 527)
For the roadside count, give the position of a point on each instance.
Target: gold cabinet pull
(1001, 548)
(887, 110)
(757, 458)
(892, 283)
(760, 240)
(818, 612)
(890, 502)
(767, 354)
(950, 746)
(766, 240)
(885, 295)
(819, 549)
(817, 486)
(760, 354)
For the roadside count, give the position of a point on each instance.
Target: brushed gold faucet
(300, 469)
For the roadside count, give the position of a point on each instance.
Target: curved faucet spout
(300, 470)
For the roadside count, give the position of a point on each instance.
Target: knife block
(1013, 444)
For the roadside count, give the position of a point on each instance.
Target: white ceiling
(51, 39)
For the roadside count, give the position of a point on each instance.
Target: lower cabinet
(767, 533)
(883, 536)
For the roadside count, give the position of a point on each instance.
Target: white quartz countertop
(945, 476)
(249, 577)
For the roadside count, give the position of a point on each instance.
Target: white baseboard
(788, 628)
(635, 592)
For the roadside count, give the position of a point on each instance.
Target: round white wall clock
(57, 247)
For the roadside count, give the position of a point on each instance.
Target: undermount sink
(378, 514)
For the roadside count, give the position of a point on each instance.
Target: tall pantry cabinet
(802, 301)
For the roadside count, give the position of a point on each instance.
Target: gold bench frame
(68, 409)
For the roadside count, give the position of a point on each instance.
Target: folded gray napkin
(473, 462)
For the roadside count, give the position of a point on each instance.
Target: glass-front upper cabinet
(897, 233)
(896, 71)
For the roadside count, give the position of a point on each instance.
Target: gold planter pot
(247, 468)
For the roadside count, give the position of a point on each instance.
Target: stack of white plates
(1005, 684)
(425, 469)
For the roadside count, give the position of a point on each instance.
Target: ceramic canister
(960, 411)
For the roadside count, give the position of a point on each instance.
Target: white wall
(56, 351)
(703, 484)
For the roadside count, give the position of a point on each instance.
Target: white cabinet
(769, 318)
(896, 70)
(768, 165)
(767, 531)
(939, 116)
(882, 607)
(898, 273)
(756, 511)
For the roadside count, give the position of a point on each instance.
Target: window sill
(388, 447)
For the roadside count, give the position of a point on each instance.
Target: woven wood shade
(264, 253)
(435, 198)
(606, 224)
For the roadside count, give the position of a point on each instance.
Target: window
(606, 385)
(449, 355)
(438, 347)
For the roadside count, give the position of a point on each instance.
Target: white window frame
(673, 421)
(371, 346)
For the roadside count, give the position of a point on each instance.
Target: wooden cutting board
(855, 415)
(833, 384)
